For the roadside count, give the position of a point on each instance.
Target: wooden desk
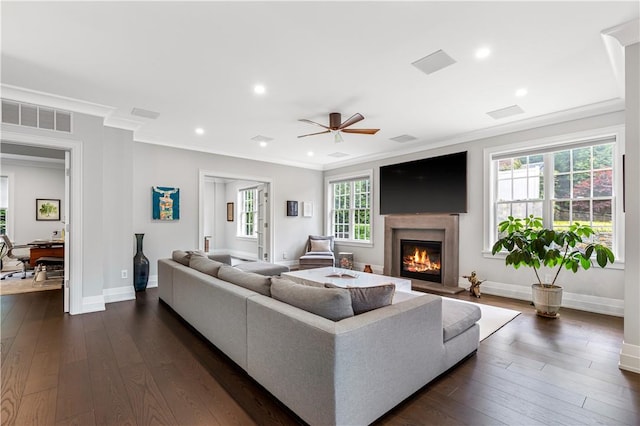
(45, 248)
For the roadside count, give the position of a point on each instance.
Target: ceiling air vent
(403, 138)
(434, 62)
(145, 113)
(10, 112)
(35, 116)
(261, 138)
(506, 112)
(338, 154)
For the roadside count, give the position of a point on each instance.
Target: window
(562, 184)
(4, 203)
(350, 208)
(248, 212)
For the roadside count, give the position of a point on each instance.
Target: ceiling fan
(336, 126)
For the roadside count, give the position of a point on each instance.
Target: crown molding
(108, 113)
(29, 161)
(626, 34)
(586, 111)
(36, 97)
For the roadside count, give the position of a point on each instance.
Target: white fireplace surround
(427, 227)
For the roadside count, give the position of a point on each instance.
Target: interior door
(263, 223)
(65, 226)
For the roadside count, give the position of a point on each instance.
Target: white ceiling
(196, 64)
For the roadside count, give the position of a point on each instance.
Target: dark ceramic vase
(140, 266)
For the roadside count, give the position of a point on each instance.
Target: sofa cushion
(457, 317)
(183, 257)
(365, 299)
(330, 303)
(205, 265)
(249, 280)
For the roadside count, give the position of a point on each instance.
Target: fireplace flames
(420, 261)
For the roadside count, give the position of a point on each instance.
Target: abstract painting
(165, 203)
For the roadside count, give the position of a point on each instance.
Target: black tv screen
(429, 185)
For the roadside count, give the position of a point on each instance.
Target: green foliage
(48, 209)
(529, 244)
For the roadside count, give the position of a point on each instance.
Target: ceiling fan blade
(313, 134)
(314, 123)
(351, 120)
(361, 131)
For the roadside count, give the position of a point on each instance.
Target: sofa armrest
(352, 371)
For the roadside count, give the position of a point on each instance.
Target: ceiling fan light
(337, 137)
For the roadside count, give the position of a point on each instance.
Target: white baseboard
(583, 302)
(118, 294)
(630, 357)
(92, 304)
(122, 293)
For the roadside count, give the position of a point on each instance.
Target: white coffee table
(360, 279)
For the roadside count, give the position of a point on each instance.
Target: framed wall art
(165, 202)
(47, 209)
(230, 213)
(292, 208)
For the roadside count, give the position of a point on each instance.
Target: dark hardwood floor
(137, 363)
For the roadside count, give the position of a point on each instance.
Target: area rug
(493, 318)
(17, 285)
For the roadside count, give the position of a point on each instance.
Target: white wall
(165, 166)
(107, 237)
(608, 284)
(33, 180)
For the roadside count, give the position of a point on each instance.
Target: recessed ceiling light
(521, 92)
(259, 89)
(199, 131)
(483, 53)
(263, 144)
(310, 153)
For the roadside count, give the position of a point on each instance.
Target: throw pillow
(181, 257)
(365, 299)
(249, 280)
(205, 265)
(320, 245)
(330, 303)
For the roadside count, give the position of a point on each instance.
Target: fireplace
(438, 235)
(421, 260)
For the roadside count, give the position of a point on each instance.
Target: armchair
(319, 252)
(21, 256)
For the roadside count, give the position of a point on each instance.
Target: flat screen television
(428, 185)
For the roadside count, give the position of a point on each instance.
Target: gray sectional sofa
(347, 372)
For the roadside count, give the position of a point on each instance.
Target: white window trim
(550, 142)
(238, 212)
(11, 186)
(367, 174)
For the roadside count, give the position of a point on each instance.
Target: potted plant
(528, 243)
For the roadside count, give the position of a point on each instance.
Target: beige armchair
(319, 252)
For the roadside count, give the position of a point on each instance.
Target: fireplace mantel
(435, 227)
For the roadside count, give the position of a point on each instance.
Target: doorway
(70, 223)
(232, 222)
